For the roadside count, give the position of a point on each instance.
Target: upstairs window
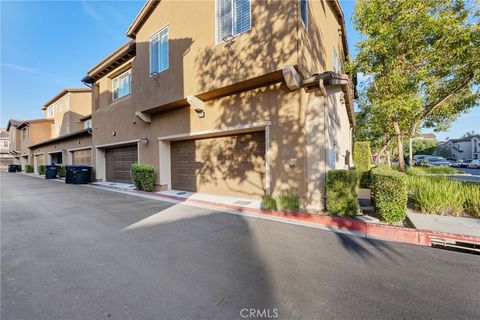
(50, 111)
(87, 124)
(122, 85)
(337, 66)
(159, 52)
(233, 17)
(304, 11)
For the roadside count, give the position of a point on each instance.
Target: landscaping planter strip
(367, 230)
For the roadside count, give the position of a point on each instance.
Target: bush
(268, 203)
(390, 194)
(61, 171)
(143, 176)
(362, 158)
(28, 168)
(412, 171)
(288, 202)
(440, 195)
(342, 196)
(41, 169)
(472, 199)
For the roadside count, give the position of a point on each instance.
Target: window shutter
(224, 18)
(242, 16)
(304, 11)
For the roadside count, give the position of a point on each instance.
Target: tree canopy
(423, 61)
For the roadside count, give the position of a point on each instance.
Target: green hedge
(41, 169)
(288, 201)
(28, 168)
(61, 171)
(390, 194)
(362, 158)
(342, 196)
(143, 176)
(412, 171)
(268, 203)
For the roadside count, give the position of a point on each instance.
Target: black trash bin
(69, 173)
(51, 171)
(82, 174)
(13, 167)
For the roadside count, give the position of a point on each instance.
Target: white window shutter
(224, 18)
(242, 16)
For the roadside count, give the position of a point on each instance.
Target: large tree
(423, 61)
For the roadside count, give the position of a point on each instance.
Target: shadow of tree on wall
(271, 44)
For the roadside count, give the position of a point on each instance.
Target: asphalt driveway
(75, 252)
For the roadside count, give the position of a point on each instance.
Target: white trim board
(82, 148)
(117, 143)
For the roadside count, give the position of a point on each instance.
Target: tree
(469, 134)
(422, 57)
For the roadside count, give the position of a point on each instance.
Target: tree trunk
(398, 133)
(389, 159)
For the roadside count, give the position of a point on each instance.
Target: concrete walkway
(458, 225)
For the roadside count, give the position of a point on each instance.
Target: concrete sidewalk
(458, 225)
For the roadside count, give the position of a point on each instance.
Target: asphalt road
(74, 252)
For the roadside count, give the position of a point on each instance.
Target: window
(122, 85)
(67, 102)
(304, 11)
(87, 124)
(337, 67)
(233, 17)
(159, 52)
(50, 111)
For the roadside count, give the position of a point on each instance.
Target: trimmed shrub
(342, 196)
(362, 158)
(143, 176)
(390, 194)
(440, 195)
(61, 171)
(412, 171)
(268, 203)
(28, 168)
(288, 201)
(472, 199)
(41, 169)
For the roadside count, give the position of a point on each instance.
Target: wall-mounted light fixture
(144, 140)
(197, 105)
(114, 133)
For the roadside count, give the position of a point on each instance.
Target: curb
(366, 230)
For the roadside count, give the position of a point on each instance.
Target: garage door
(40, 159)
(118, 162)
(82, 157)
(232, 165)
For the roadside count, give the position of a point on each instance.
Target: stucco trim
(216, 132)
(81, 148)
(117, 143)
(38, 154)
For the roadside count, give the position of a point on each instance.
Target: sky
(49, 46)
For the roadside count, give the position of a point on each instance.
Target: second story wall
(198, 60)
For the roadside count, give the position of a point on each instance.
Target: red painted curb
(368, 230)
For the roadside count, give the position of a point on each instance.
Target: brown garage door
(82, 157)
(118, 162)
(232, 165)
(40, 159)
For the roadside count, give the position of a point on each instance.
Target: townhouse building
(465, 148)
(5, 157)
(232, 97)
(69, 140)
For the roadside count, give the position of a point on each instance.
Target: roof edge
(62, 93)
(62, 138)
(143, 15)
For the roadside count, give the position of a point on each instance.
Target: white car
(475, 164)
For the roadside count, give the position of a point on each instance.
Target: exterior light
(144, 140)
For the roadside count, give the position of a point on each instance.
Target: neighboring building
(67, 108)
(465, 148)
(5, 157)
(70, 141)
(32, 132)
(227, 97)
(427, 136)
(15, 139)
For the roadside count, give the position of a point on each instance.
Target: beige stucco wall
(69, 109)
(62, 146)
(15, 139)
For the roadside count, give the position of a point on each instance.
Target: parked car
(418, 158)
(474, 164)
(434, 162)
(457, 164)
(465, 163)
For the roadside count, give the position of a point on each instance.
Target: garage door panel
(82, 157)
(119, 161)
(230, 165)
